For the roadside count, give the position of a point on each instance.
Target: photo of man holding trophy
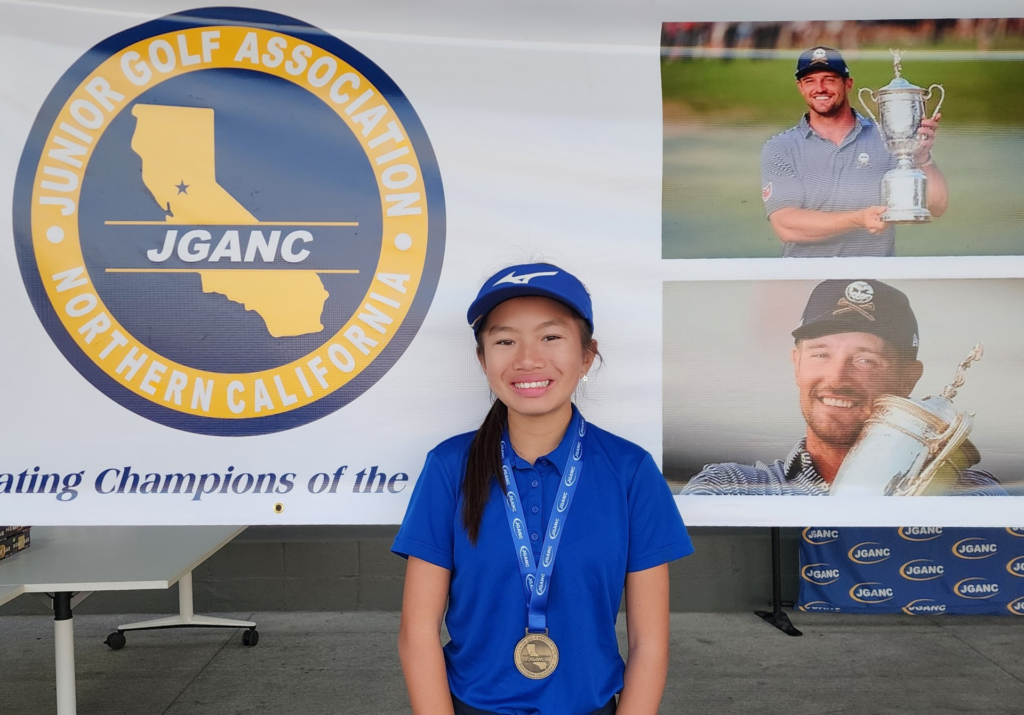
(855, 362)
(862, 157)
(838, 182)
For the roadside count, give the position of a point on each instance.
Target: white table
(9, 593)
(70, 562)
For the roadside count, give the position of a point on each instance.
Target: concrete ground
(348, 663)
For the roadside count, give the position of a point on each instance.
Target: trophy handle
(860, 96)
(942, 98)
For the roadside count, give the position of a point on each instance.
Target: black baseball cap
(860, 306)
(821, 59)
(541, 279)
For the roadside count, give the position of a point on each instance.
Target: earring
(584, 378)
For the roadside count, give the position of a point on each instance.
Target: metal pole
(777, 617)
(64, 653)
(776, 570)
(185, 608)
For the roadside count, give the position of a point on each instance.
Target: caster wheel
(116, 640)
(250, 638)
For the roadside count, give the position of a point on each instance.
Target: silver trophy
(901, 107)
(911, 447)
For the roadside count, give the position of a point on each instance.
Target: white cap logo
(860, 292)
(819, 55)
(524, 279)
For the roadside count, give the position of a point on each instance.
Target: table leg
(64, 653)
(186, 614)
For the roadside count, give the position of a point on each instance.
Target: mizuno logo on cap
(522, 280)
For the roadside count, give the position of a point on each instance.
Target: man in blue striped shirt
(822, 180)
(857, 340)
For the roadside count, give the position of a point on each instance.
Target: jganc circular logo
(976, 587)
(974, 547)
(825, 606)
(1015, 566)
(229, 221)
(924, 606)
(920, 533)
(922, 570)
(871, 592)
(819, 536)
(820, 574)
(869, 552)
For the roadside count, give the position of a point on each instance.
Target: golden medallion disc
(536, 655)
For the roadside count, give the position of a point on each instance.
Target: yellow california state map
(176, 145)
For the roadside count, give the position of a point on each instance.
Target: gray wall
(350, 568)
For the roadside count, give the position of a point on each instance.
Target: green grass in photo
(745, 91)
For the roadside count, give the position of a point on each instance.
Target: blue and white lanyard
(537, 578)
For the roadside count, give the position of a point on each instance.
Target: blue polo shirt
(623, 518)
(801, 169)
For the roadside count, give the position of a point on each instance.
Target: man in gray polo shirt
(822, 180)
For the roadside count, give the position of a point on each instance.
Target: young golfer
(495, 510)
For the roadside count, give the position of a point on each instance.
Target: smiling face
(839, 378)
(825, 93)
(532, 354)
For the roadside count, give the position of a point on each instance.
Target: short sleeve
(427, 531)
(657, 534)
(780, 185)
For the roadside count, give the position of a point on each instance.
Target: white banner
(243, 245)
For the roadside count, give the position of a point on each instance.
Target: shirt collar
(805, 125)
(558, 455)
(799, 461)
(862, 122)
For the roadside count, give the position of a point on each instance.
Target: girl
(493, 511)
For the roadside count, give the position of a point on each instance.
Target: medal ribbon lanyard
(537, 577)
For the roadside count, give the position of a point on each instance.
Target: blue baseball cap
(541, 279)
(821, 59)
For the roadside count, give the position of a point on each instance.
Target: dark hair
(484, 463)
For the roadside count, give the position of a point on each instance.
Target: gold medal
(536, 655)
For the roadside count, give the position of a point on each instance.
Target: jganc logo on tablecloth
(922, 570)
(820, 536)
(229, 221)
(976, 587)
(920, 533)
(820, 574)
(820, 607)
(974, 548)
(1016, 566)
(869, 552)
(924, 606)
(871, 592)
